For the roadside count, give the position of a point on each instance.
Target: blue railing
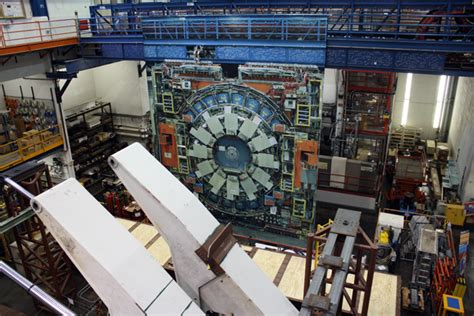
(259, 28)
(439, 26)
(343, 25)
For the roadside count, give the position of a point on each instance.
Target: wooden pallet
(405, 137)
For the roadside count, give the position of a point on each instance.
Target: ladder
(423, 269)
(345, 227)
(303, 115)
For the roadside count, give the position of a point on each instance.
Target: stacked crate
(405, 137)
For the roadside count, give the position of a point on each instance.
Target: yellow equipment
(452, 304)
(384, 237)
(455, 214)
(460, 288)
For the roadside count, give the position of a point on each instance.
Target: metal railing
(404, 25)
(382, 25)
(231, 28)
(287, 28)
(31, 145)
(25, 33)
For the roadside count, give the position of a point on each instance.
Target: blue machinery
(406, 36)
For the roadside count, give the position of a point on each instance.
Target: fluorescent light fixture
(440, 100)
(445, 101)
(406, 99)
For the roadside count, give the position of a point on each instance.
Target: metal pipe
(19, 188)
(34, 290)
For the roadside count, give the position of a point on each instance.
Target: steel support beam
(339, 245)
(345, 225)
(11, 222)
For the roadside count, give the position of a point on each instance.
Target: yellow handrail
(29, 146)
(317, 246)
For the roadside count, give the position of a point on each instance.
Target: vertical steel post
(309, 257)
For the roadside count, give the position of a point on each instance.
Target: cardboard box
(430, 147)
(102, 136)
(20, 125)
(30, 139)
(442, 151)
(46, 135)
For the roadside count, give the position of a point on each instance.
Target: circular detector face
(232, 153)
(232, 148)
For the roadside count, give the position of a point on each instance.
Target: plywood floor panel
(160, 251)
(292, 283)
(126, 223)
(269, 262)
(144, 233)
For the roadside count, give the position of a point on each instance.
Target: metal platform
(24, 37)
(409, 36)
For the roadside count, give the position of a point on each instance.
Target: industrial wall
(80, 91)
(461, 135)
(117, 83)
(23, 66)
(59, 9)
(120, 84)
(41, 88)
(422, 103)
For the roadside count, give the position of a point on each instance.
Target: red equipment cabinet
(369, 95)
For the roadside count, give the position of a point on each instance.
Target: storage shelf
(92, 153)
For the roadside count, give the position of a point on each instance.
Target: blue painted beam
(237, 43)
(343, 58)
(382, 40)
(76, 65)
(39, 8)
(237, 54)
(403, 45)
(371, 44)
(389, 60)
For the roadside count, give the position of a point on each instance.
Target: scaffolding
(41, 259)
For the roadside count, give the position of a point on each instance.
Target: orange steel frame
(308, 148)
(26, 48)
(169, 150)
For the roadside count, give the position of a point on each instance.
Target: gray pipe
(19, 188)
(34, 290)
